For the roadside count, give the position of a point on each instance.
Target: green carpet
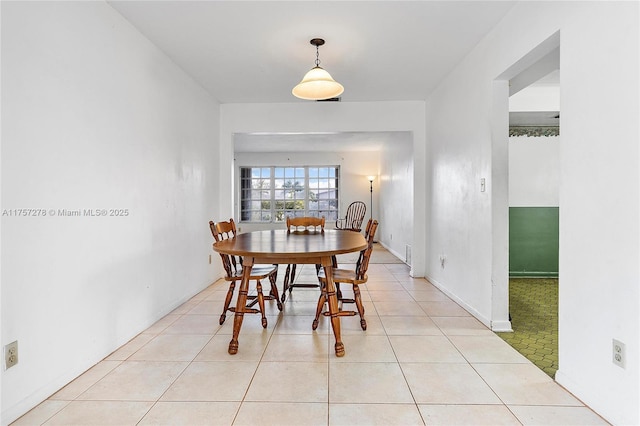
(533, 306)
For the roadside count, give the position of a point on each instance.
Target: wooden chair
(303, 224)
(354, 217)
(354, 277)
(367, 229)
(233, 268)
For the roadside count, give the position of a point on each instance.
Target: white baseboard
(495, 326)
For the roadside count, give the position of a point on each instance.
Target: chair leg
(227, 302)
(358, 300)
(321, 301)
(274, 291)
(287, 274)
(293, 277)
(261, 303)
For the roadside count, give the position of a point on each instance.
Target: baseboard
(393, 252)
(463, 304)
(532, 274)
(501, 327)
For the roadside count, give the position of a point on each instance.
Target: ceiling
(256, 51)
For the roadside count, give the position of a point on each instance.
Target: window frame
(277, 215)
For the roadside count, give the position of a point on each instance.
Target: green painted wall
(533, 241)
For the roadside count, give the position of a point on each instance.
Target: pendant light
(317, 84)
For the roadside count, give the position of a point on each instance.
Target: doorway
(534, 169)
(526, 209)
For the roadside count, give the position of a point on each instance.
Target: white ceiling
(256, 51)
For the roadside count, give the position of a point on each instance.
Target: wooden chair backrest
(224, 231)
(305, 222)
(367, 229)
(355, 215)
(363, 261)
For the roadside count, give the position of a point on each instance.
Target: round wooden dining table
(284, 247)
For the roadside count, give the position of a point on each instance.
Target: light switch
(483, 185)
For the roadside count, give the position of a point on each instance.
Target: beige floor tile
(172, 347)
(487, 349)
(399, 268)
(524, 384)
(477, 415)
(367, 382)
(165, 322)
(447, 384)
(218, 295)
(184, 308)
(410, 326)
(444, 309)
(194, 324)
(425, 349)
(351, 324)
(390, 296)
(179, 371)
(41, 413)
(399, 308)
(303, 295)
(462, 326)
(212, 381)
(191, 413)
(559, 416)
(379, 285)
(428, 296)
(206, 307)
(135, 381)
(251, 348)
(85, 381)
(290, 382)
(410, 283)
(130, 347)
(116, 413)
(374, 414)
(297, 347)
(365, 348)
(282, 414)
(379, 276)
(301, 324)
(203, 294)
(300, 308)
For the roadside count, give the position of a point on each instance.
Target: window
(270, 194)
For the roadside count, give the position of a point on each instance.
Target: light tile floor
(422, 360)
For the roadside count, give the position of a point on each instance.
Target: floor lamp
(371, 179)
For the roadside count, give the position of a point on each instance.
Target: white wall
(95, 117)
(334, 117)
(534, 171)
(599, 187)
(353, 183)
(397, 187)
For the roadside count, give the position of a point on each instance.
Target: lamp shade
(317, 84)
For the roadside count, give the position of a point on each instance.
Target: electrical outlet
(443, 259)
(11, 354)
(619, 355)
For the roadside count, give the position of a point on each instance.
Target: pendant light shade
(317, 84)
